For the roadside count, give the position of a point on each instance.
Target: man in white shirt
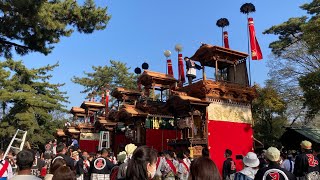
(25, 159)
(288, 163)
(5, 167)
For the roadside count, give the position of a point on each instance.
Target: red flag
(226, 39)
(181, 68)
(256, 53)
(169, 64)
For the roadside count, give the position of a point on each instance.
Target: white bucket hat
(251, 160)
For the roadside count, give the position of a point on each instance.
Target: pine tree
(36, 25)
(115, 75)
(31, 99)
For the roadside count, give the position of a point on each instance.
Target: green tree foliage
(296, 55)
(30, 99)
(115, 75)
(269, 115)
(36, 25)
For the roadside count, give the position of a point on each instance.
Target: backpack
(114, 173)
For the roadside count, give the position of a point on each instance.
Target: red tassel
(170, 70)
(181, 68)
(226, 39)
(256, 53)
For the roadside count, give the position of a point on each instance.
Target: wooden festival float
(213, 113)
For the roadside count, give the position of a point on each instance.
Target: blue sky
(140, 30)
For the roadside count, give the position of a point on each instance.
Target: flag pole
(249, 53)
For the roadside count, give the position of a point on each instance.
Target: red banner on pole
(226, 39)
(107, 103)
(170, 70)
(256, 53)
(181, 68)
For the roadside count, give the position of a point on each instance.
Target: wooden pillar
(204, 76)
(234, 73)
(216, 70)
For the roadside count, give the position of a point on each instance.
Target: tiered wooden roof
(207, 55)
(92, 106)
(77, 111)
(155, 79)
(121, 93)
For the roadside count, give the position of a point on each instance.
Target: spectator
(62, 150)
(204, 169)
(273, 170)
(229, 166)
(251, 163)
(169, 166)
(100, 168)
(288, 162)
(142, 165)
(129, 149)
(25, 159)
(64, 173)
(53, 167)
(183, 168)
(306, 164)
(5, 167)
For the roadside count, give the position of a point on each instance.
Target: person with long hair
(142, 165)
(204, 168)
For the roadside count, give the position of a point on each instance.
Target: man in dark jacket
(61, 153)
(273, 170)
(229, 167)
(101, 167)
(191, 69)
(306, 164)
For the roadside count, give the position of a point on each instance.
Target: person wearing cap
(191, 69)
(306, 164)
(273, 170)
(129, 149)
(229, 166)
(251, 163)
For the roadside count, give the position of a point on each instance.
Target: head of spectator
(227, 153)
(25, 159)
(142, 165)
(203, 168)
(56, 164)
(121, 157)
(273, 155)
(130, 149)
(64, 173)
(205, 152)
(61, 148)
(251, 160)
(169, 154)
(85, 155)
(186, 154)
(104, 152)
(75, 155)
(306, 146)
(180, 156)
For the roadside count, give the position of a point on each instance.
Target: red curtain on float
(89, 145)
(256, 53)
(157, 138)
(226, 39)
(170, 70)
(222, 135)
(181, 68)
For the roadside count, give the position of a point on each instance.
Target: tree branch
(14, 44)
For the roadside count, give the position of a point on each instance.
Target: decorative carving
(221, 90)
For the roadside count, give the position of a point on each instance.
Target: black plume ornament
(222, 22)
(145, 66)
(247, 8)
(137, 70)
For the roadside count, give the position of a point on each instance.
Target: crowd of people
(60, 162)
